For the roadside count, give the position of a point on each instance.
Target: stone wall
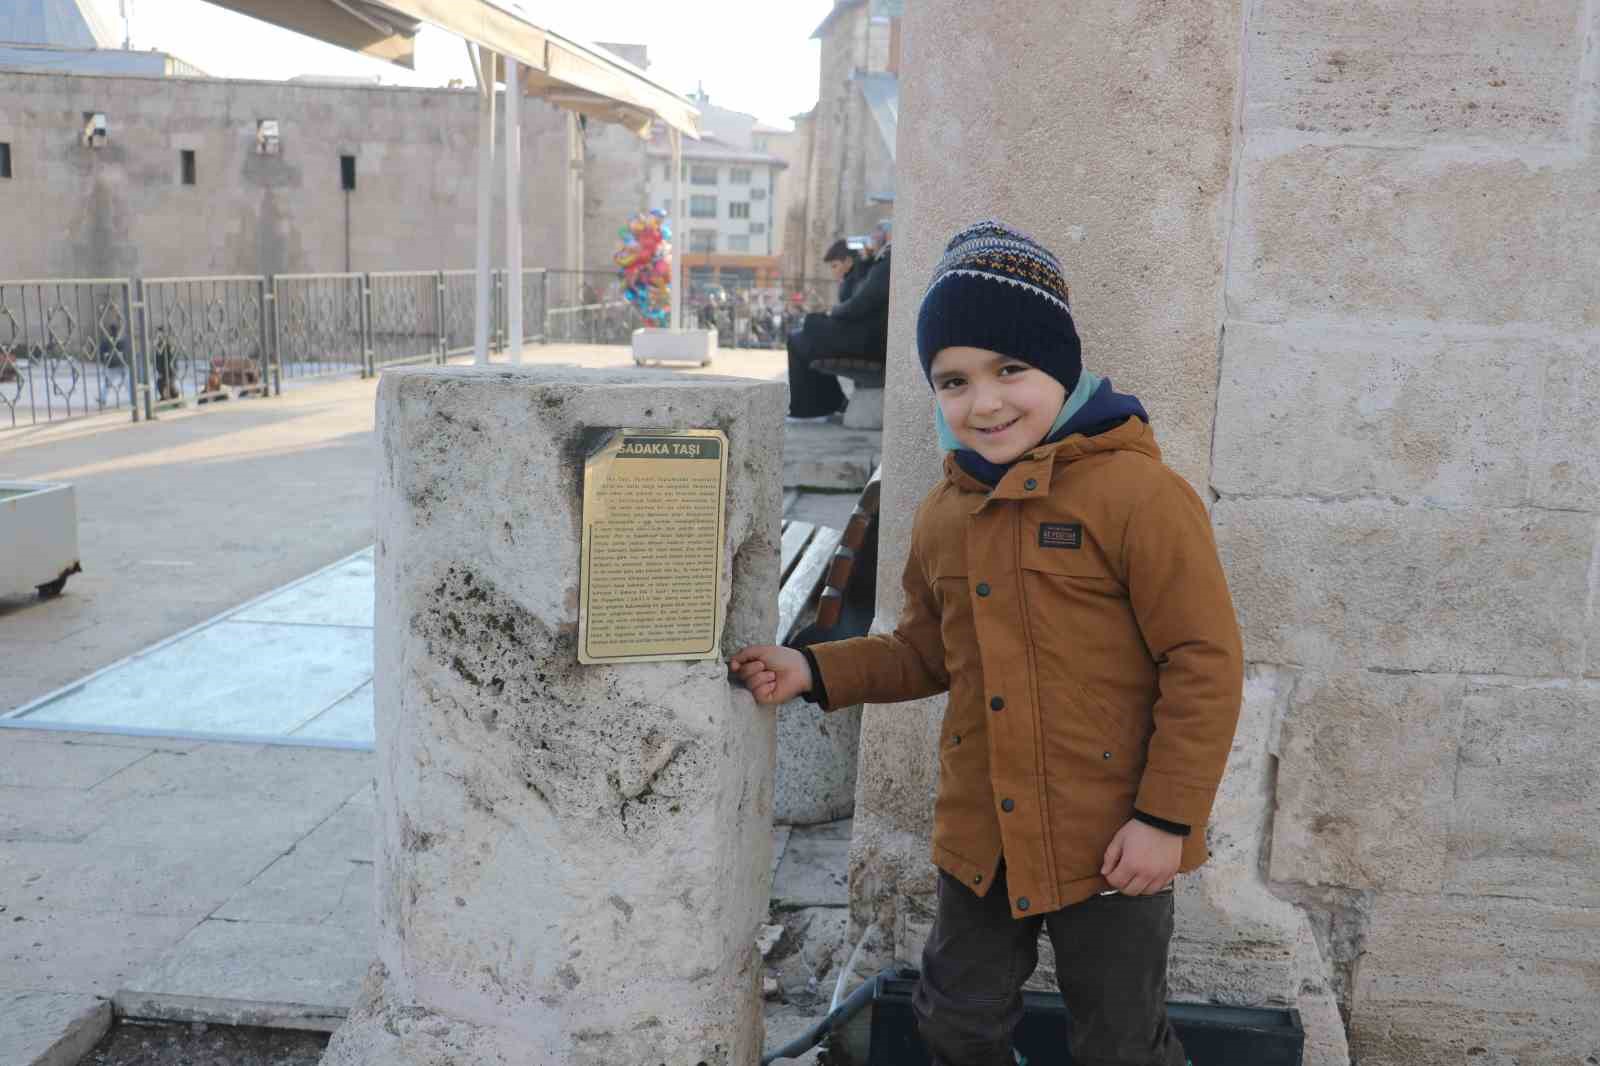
(121, 209)
(1343, 253)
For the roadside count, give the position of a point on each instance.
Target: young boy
(1063, 586)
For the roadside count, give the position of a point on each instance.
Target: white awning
(565, 72)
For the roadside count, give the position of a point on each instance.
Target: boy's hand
(772, 674)
(1141, 859)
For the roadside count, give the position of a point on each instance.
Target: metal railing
(70, 348)
(66, 349)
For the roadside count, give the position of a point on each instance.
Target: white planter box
(674, 346)
(38, 537)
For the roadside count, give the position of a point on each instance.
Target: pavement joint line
(319, 713)
(273, 740)
(120, 770)
(65, 690)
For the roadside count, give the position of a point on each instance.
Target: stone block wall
(1407, 504)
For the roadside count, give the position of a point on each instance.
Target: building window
(758, 194)
(702, 240)
(758, 227)
(347, 172)
(702, 175)
(738, 243)
(5, 159)
(739, 176)
(702, 207)
(186, 165)
(739, 210)
(759, 143)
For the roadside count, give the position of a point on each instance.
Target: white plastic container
(38, 537)
(674, 346)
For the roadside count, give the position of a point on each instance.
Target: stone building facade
(179, 187)
(1347, 262)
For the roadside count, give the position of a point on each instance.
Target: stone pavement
(193, 879)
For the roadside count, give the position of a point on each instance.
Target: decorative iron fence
(66, 349)
(320, 324)
(70, 348)
(204, 338)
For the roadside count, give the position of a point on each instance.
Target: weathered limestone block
(573, 859)
(1321, 412)
(1499, 70)
(1365, 781)
(1526, 817)
(1408, 588)
(816, 774)
(1566, 465)
(1433, 235)
(1500, 982)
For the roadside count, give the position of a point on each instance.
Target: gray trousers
(1111, 963)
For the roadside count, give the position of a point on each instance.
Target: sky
(751, 55)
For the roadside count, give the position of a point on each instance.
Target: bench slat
(795, 537)
(795, 591)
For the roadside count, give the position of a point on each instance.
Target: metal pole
(514, 209)
(484, 65)
(439, 319)
(680, 235)
(277, 340)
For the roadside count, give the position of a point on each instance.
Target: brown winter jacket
(1079, 617)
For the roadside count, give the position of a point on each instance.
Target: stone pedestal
(695, 346)
(865, 410)
(572, 859)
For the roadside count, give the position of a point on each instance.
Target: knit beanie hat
(999, 289)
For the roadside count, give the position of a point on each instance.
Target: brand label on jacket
(1061, 535)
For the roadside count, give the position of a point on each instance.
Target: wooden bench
(866, 403)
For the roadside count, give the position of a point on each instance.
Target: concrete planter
(674, 346)
(38, 537)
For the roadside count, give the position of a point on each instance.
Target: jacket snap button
(1006, 805)
(997, 704)
(958, 738)
(1030, 484)
(1105, 755)
(1022, 903)
(977, 879)
(983, 589)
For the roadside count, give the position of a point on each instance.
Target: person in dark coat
(846, 266)
(856, 328)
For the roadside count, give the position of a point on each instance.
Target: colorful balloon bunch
(644, 262)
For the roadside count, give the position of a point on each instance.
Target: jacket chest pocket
(1066, 549)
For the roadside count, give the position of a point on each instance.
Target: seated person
(846, 266)
(855, 328)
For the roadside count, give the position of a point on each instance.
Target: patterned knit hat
(997, 288)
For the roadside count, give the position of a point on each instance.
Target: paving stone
(1366, 772)
(208, 821)
(341, 596)
(63, 814)
(109, 740)
(780, 842)
(309, 888)
(168, 878)
(1473, 70)
(253, 973)
(50, 1028)
(1526, 817)
(814, 870)
(324, 777)
(26, 763)
(1408, 587)
(349, 719)
(349, 833)
(826, 456)
(1322, 412)
(1500, 982)
(68, 951)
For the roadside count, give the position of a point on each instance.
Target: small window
(738, 243)
(702, 175)
(739, 176)
(758, 227)
(758, 194)
(5, 159)
(347, 172)
(702, 207)
(739, 210)
(186, 165)
(702, 240)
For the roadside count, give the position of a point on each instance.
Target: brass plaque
(649, 582)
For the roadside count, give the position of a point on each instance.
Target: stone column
(573, 859)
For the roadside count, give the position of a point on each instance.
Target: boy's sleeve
(907, 664)
(1180, 599)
